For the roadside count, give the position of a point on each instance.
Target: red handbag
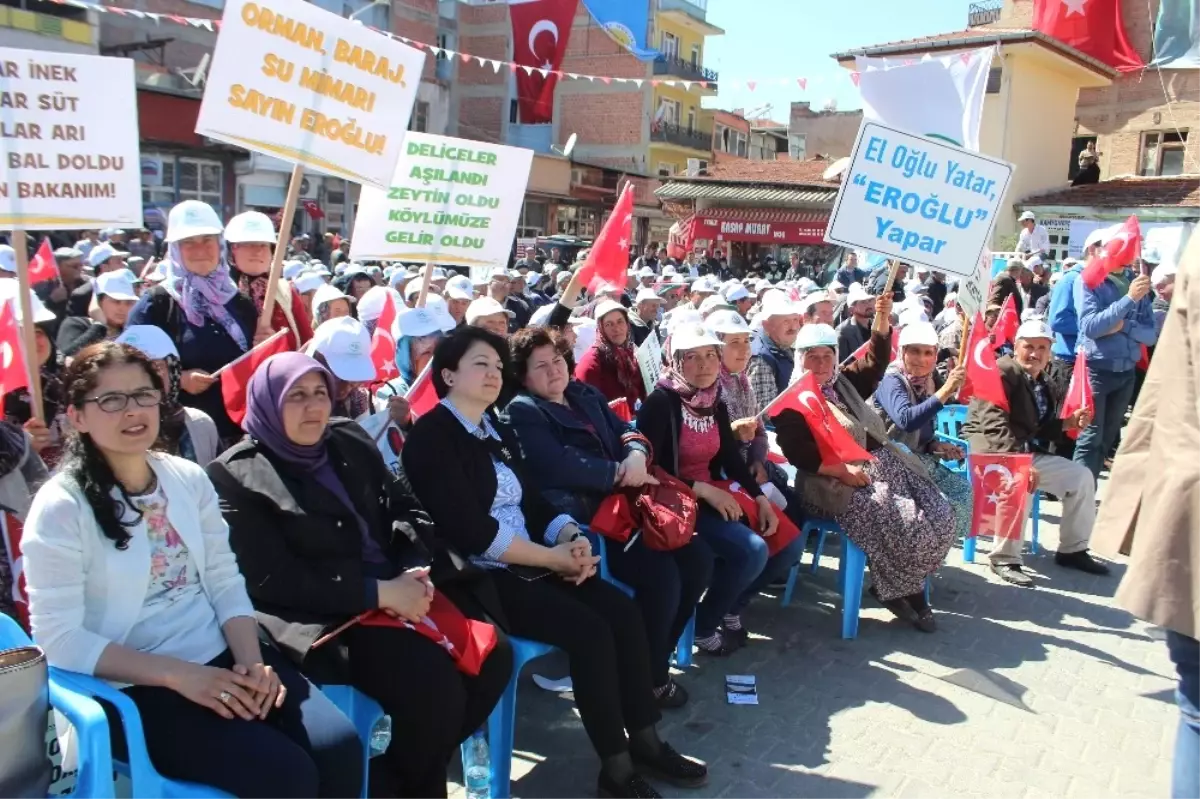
(785, 532)
(666, 513)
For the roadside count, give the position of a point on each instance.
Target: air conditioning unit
(696, 167)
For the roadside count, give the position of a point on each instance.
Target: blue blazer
(574, 467)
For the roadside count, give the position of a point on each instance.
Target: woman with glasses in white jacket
(131, 579)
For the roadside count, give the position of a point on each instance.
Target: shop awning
(758, 226)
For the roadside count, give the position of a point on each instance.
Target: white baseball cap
(857, 293)
(192, 218)
(1034, 328)
(712, 303)
(645, 271)
(8, 258)
(371, 303)
(1162, 273)
(726, 322)
(437, 304)
(669, 271)
(8, 291)
(704, 285)
(1032, 261)
(116, 285)
(1097, 236)
(102, 252)
(151, 341)
(812, 298)
(605, 308)
(735, 291)
(417, 322)
(911, 316)
(919, 333)
(816, 336)
(292, 268)
(251, 226)
(308, 281)
(346, 347)
(648, 295)
(776, 303)
(326, 294)
(1026, 217)
(398, 278)
(485, 306)
(459, 288)
(692, 336)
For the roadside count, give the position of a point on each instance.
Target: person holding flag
(417, 332)
(849, 469)
(48, 434)
(251, 238)
(1030, 424)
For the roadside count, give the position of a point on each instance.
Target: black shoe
(739, 637)
(635, 787)
(1081, 560)
(1012, 573)
(724, 649)
(925, 621)
(673, 696)
(898, 607)
(671, 767)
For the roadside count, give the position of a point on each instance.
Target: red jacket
(594, 372)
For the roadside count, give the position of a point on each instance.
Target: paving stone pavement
(1052, 691)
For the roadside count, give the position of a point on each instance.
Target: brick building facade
(821, 133)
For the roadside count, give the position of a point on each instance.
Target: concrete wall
(830, 133)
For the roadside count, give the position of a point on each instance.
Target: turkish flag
(1090, 26)
(383, 346)
(235, 377)
(12, 358)
(1005, 329)
(541, 29)
(609, 256)
(422, 396)
(983, 378)
(1079, 393)
(866, 347)
(620, 406)
(43, 267)
(1000, 489)
(834, 443)
(1120, 250)
(11, 533)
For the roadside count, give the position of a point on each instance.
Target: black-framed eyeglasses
(117, 401)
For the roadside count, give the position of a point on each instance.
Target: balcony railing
(695, 8)
(984, 12)
(692, 138)
(679, 68)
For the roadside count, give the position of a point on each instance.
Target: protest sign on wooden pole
(425, 281)
(285, 228)
(28, 338)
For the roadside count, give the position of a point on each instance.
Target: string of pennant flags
(214, 25)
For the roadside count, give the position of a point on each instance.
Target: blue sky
(772, 39)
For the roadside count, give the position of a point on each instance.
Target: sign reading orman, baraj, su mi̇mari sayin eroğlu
(452, 201)
(291, 80)
(69, 139)
(919, 200)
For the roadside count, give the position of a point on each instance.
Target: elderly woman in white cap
(908, 400)
(187, 432)
(329, 302)
(200, 309)
(343, 346)
(417, 332)
(611, 364)
(889, 506)
(251, 239)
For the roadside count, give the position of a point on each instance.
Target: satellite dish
(570, 146)
(835, 170)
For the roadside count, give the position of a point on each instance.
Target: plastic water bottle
(477, 767)
(381, 736)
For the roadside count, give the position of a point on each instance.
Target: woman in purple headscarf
(200, 308)
(324, 532)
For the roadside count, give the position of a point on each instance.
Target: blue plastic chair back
(950, 421)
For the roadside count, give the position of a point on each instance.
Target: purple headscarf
(203, 296)
(265, 397)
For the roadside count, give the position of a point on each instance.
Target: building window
(691, 120)
(1078, 145)
(158, 179)
(419, 121)
(668, 111)
(373, 15)
(993, 80)
(741, 144)
(200, 180)
(798, 146)
(1163, 153)
(696, 55)
(533, 219)
(574, 220)
(670, 45)
(666, 170)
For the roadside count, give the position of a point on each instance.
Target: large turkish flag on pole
(541, 29)
(983, 376)
(1093, 27)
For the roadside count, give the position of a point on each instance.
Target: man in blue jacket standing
(1114, 319)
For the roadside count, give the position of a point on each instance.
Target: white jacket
(85, 593)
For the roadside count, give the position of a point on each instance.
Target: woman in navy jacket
(578, 452)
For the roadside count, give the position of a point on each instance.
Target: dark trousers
(1185, 654)
(603, 634)
(305, 748)
(1058, 373)
(666, 587)
(433, 705)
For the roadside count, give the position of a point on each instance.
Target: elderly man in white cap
(855, 331)
(772, 360)
(644, 320)
(1031, 424)
(1034, 240)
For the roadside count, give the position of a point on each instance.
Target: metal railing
(983, 12)
(679, 68)
(696, 8)
(671, 133)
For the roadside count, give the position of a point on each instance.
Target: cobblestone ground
(1021, 693)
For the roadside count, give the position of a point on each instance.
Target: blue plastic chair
(145, 781)
(94, 778)
(821, 527)
(851, 572)
(950, 421)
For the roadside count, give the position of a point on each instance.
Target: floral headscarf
(203, 296)
(700, 402)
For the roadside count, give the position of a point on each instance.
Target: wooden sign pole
(20, 248)
(425, 284)
(285, 228)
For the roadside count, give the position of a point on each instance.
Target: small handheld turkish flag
(866, 346)
(422, 396)
(833, 442)
(609, 257)
(235, 377)
(383, 346)
(12, 359)
(1079, 393)
(1119, 251)
(43, 267)
(983, 377)
(1005, 329)
(1000, 489)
